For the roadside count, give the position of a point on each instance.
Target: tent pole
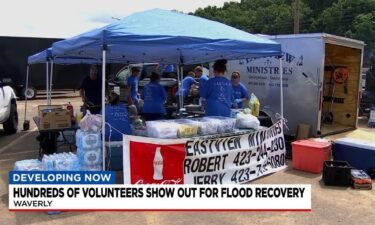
(47, 82)
(182, 76)
(50, 82)
(281, 88)
(179, 87)
(27, 86)
(103, 105)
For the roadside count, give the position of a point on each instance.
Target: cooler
(360, 154)
(309, 155)
(114, 155)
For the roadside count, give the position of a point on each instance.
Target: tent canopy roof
(168, 37)
(46, 55)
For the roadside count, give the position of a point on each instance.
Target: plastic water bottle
(74, 162)
(79, 138)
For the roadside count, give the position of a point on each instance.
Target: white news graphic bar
(156, 197)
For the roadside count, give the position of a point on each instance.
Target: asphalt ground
(330, 205)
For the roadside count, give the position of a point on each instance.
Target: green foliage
(349, 18)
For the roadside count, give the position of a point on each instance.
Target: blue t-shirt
(117, 117)
(185, 86)
(132, 81)
(240, 91)
(218, 93)
(154, 96)
(93, 90)
(202, 82)
(169, 68)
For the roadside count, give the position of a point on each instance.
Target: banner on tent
(232, 159)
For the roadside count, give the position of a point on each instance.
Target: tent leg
(281, 88)
(182, 76)
(180, 96)
(179, 86)
(50, 82)
(47, 83)
(26, 123)
(103, 108)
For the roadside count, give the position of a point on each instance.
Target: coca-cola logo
(178, 181)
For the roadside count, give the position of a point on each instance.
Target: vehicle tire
(30, 93)
(11, 125)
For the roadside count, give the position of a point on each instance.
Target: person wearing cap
(132, 82)
(117, 119)
(240, 92)
(184, 90)
(153, 96)
(218, 92)
(90, 90)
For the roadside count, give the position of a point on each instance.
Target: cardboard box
(54, 117)
(303, 131)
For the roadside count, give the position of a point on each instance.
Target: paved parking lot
(330, 205)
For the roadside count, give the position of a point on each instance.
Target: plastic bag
(247, 121)
(207, 126)
(187, 128)
(133, 110)
(162, 129)
(91, 122)
(254, 105)
(225, 124)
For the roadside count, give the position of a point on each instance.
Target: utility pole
(296, 16)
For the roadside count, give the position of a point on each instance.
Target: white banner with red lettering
(229, 159)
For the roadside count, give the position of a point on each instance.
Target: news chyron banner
(97, 191)
(231, 159)
(202, 174)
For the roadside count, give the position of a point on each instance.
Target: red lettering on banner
(178, 181)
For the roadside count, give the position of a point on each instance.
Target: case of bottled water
(60, 162)
(89, 150)
(28, 165)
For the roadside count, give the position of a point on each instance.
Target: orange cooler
(309, 155)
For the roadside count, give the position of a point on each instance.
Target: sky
(67, 18)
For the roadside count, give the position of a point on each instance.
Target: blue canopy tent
(45, 56)
(166, 37)
(169, 37)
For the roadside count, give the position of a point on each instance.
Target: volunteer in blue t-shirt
(184, 90)
(203, 78)
(117, 119)
(153, 96)
(240, 92)
(218, 92)
(132, 82)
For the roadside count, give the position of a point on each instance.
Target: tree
(349, 18)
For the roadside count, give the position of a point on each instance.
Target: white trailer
(321, 81)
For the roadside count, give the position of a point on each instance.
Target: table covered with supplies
(227, 157)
